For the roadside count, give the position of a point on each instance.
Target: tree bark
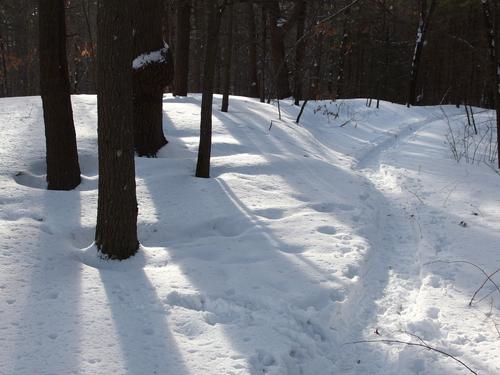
(253, 89)
(116, 231)
(494, 62)
(278, 52)
(182, 38)
(149, 79)
(263, 55)
(212, 42)
(227, 60)
(423, 25)
(299, 51)
(63, 170)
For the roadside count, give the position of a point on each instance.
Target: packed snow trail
(305, 239)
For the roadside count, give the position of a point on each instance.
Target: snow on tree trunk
(153, 70)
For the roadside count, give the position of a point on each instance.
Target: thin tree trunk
(149, 77)
(116, 231)
(212, 42)
(280, 67)
(182, 38)
(5, 85)
(299, 51)
(423, 25)
(253, 89)
(341, 62)
(63, 170)
(494, 62)
(227, 60)
(263, 60)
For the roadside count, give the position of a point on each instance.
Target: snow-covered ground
(307, 238)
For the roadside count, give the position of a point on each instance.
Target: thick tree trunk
(182, 38)
(253, 89)
(299, 51)
(116, 232)
(423, 25)
(227, 60)
(153, 70)
(494, 62)
(63, 170)
(212, 42)
(278, 52)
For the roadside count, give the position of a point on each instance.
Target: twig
(488, 277)
(422, 344)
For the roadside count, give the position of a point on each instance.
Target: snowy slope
(306, 239)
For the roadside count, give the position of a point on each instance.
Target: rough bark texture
(63, 170)
(149, 80)
(212, 42)
(227, 60)
(116, 232)
(182, 38)
(278, 52)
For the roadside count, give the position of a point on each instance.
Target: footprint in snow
(327, 229)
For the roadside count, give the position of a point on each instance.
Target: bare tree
(63, 170)
(215, 10)
(494, 62)
(182, 39)
(423, 26)
(153, 70)
(227, 59)
(116, 231)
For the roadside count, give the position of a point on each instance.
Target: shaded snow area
(306, 239)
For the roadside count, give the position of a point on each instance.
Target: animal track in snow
(331, 207)
(271, 213)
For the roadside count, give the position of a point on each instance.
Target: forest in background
(283, 48)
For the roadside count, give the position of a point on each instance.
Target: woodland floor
(307, 238)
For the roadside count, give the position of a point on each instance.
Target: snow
(307, 238)
(150, 57)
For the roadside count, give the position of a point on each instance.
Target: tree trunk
(280, 67)
(3, 52)
(494, 62)
(153, 70)
(423, 25)
(299, 51)
(212, 41)
(263, 59)
(116, 232)
(63, 170)
(182, 39)
(341, 62)
(253, 89)
(227, 60)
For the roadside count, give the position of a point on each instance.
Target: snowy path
(305, 239)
